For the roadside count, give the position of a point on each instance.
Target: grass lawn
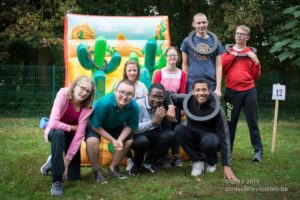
(23, 151)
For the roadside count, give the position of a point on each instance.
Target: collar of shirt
(150, 110)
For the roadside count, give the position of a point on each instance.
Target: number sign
(278, 92)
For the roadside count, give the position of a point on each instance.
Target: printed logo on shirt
(202, 47)
(229, 108)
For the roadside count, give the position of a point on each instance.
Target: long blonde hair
(87, 103)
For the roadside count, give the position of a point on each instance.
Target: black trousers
(199, 145)
(156, 142)
(60, 143)
(171, 126)
(247, 100)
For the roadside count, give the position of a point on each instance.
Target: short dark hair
(127, 82)
(157, 86)
(201, 80)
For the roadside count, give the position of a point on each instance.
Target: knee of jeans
(210, 143)
(168, 136)
(178, 131)
(57, 134)
(141, 143)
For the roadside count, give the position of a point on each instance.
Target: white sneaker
(46, 167)
(210, 168)
(197, 168)
(130, 164)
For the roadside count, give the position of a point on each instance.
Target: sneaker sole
(149, 169)
(196, 175)
(256, 160)
(56, 195)
(44, 172)
(102, 182)
(120, 178)
(210, 171)
(134, 174)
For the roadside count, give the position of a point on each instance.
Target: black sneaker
(98, 177)
(151, 166)
(166, 162)
(115, 174)
(135, 169)
(177, 161)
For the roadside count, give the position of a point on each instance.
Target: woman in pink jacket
(66, 130)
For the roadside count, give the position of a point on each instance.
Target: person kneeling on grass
(153, 137)
(66, 129)
(206, 131)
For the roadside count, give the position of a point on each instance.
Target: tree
(242, 12)
(36, 25)
(287, 44)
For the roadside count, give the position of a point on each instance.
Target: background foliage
(32, 30)
(31, 35)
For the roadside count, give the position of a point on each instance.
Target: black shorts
(115, 133)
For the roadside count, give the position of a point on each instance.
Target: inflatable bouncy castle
(98, 46)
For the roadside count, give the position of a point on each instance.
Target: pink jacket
(58, 110)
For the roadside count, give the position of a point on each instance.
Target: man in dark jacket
(153, 134)
(206, 131)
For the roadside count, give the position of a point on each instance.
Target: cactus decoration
(98, 64)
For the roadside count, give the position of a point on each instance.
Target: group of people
(144, 125)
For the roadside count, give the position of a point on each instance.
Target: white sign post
(277, 94)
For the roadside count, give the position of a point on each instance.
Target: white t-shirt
(140, 90)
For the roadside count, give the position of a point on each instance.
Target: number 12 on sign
(278, 92)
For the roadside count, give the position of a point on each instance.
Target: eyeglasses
(172, 56)
(127, 94)
(240, 34)
(82, 88)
